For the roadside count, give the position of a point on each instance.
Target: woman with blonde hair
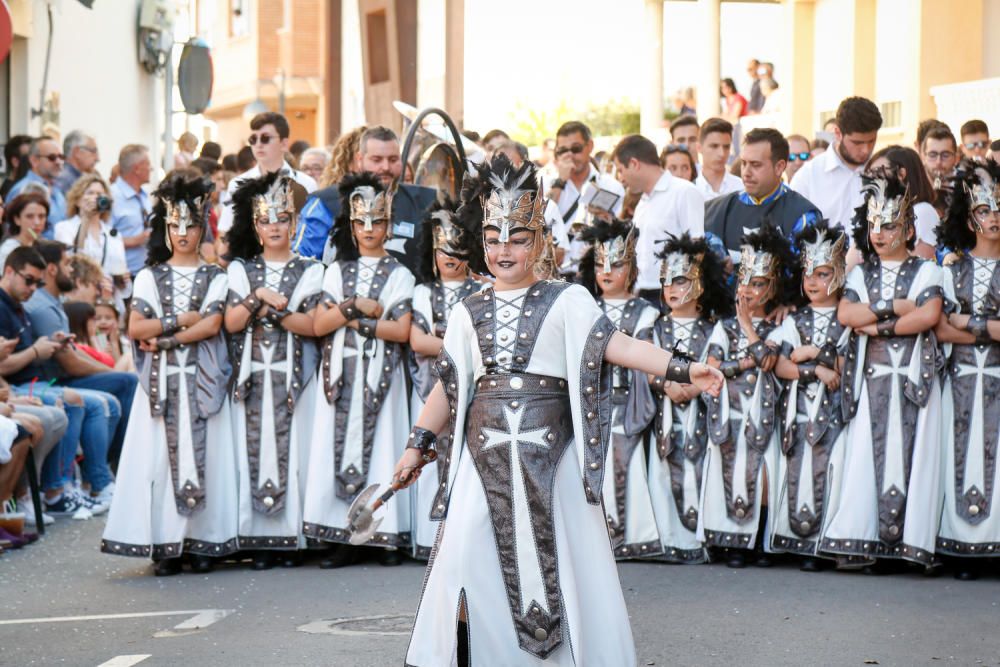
(88, 230)
(345, 157)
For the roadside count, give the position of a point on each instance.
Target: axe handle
(431, 455)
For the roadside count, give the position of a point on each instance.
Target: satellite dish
(195, 76)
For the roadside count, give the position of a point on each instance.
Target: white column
(651, 109)
(709, 71)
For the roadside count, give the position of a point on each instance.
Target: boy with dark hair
(715, 140)
(975, 139)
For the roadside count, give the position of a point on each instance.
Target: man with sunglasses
(576, 176)
(975, 140)
(269, 139)
(799, 152)
(46, 164)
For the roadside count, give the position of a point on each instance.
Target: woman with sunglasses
(273, 295)
(799, 152)
(177, 477)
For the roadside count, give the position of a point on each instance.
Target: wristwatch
(558, 183)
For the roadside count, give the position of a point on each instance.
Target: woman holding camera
(88, 230)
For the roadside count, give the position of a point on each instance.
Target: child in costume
(272, 299)
(889, 503)
(363, 416)
(450, 252)
(970, 329)
(522, 571)
(742, 471)
(813, 343)
(695, 297)
(177, 485)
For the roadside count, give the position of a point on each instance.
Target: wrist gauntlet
(422, 439)
(678, 370)
(169, 324)
(730, 369)
(977, 327)
(276, 316)
(807, 373)
(887, 327)
(882, 309)
(349, 310)
(252, 303)
(167, 343)
(760, 352)
(827, 356)
(366, 327)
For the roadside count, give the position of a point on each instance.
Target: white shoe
(106, 495)
(29, 512)
(94, 505)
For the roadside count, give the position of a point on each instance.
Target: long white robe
(865, 518)
(144, 519)
(325, 515)
(466, 564)
(283, 529)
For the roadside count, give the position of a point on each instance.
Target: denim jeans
(89, 427)
(121, 386)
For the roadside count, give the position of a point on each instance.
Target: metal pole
(168, 112)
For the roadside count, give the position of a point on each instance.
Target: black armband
(760, 352)
(730, 369)
(659, 383)
(366, 327)
(349, 310)
(827, 356)
(678, 370)
(169, 324)
(807, 372)
(887, 327)
(251, 303)
(883, 309)
(558, 183)
(167, 343)
(977, 326)
(422, 439)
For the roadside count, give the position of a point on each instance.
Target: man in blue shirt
(378, 152)
(132, 204)
(46, 165)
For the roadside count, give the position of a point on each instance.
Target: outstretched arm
(639, 355)
(433, 418)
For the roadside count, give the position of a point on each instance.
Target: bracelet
(422, 439)
(977, 326)
(276, 316)
(882, 309)
(730, 369)
(760, 352)
(251, 303)
(887, 327)
(366, 326)
(827, 356)
(167, 343)
(678, 370)
(35, 350)
(558, 183)
(807, 372)
(349, 310)
(169, 324)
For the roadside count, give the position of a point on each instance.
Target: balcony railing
(959, 102)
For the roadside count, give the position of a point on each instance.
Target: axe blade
(359, 517)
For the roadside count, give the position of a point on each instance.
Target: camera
(103, 204)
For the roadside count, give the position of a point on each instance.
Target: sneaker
(106, 495)
(29, 513)
(93, 504)
(69, 505)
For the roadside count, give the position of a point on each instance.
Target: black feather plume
(715, 301)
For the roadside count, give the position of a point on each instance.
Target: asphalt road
(64, 603)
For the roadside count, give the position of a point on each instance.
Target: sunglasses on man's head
(677, 148)
(575, 149)
(265, 139)
(792, 157)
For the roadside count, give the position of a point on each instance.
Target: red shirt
(736, 102)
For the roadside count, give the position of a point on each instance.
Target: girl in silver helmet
(970, 329)
(813, 343)
(177, 484)
(522, 571)
(889, 503)
(741, 472)
(694, 297)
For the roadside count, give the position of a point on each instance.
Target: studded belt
(521, 382)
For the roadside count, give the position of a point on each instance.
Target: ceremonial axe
(361, 518)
